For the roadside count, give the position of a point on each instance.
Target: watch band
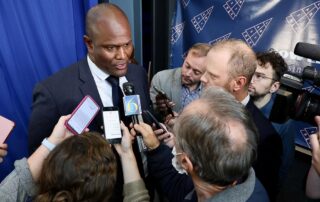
(45, 142)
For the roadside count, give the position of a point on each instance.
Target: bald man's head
(109, 13)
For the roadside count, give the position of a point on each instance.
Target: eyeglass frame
(262, 76)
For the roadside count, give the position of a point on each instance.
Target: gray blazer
(170, 82)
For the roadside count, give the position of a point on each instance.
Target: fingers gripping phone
(164, 96)
(6, 126)
(82, 116)
(151, 119)
(111, 124)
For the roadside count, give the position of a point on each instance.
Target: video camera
(292, 101)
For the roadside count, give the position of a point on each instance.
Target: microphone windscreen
(128, 88)
(307, 50)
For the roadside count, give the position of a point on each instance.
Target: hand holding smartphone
(148, 116)
(164, 96)
(82, 116)
(6, 126)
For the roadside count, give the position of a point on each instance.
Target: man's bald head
(106, 12)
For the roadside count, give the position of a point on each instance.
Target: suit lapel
(88, 86)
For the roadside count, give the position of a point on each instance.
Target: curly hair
(276, 61)
(82, 168)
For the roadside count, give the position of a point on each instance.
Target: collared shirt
(245, 100)
(104, 87)
(188, 96)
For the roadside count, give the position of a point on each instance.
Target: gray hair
(219, 155)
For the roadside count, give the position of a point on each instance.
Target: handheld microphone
(131, 102)
(307, 50)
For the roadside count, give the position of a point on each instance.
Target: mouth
(251, 88)
(121, 66)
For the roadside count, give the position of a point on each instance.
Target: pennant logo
(253, 34)
(199, 21)
(233, 7)
(302, 17)
(176, 32)
(222, 38)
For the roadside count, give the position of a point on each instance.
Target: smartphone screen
(6, 127)
(83, 115)
(111, 124)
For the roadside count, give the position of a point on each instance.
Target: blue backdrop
(37, 38)
(277, 24)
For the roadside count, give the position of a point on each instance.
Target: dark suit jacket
(60, 94)
(269, 151)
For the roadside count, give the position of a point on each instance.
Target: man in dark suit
(109, 44)
(231, 64)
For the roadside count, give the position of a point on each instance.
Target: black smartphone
(164, 96)
(111, 124)
(148, 116)
(83, 115)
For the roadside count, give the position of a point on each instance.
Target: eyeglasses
(259, 76)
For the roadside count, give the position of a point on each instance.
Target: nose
(121, 53)
(203, 78)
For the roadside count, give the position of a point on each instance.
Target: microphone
(131, 102)
(307, 50)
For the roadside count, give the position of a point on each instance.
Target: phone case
(76, 109)
(6, 126)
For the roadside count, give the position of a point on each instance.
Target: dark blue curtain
(37, 38)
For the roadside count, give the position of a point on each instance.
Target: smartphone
(161, 93)
(82, 116)
(6, 126)
(148, 116)
(111, 124)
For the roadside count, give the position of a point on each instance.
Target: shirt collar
(245, 100)
(101, 74)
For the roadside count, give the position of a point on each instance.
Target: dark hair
(82, 168)
(220, 155)
(199, 49)
(276, 61)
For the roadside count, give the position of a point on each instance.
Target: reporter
(20, 183)
(3, 151)
(134, 188)
(82, 168)
(313, 179)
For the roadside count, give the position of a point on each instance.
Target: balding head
(218, 135)
(106, 13)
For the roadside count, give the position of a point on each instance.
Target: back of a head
(108, 11)
(205, 132)
(243, 61)
(82, 168)
(276, 61)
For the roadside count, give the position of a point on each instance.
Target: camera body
(295, 102)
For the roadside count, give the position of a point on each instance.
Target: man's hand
(126, 142)
(3, 151)
(163, 104)
(164, 136)
(149, 138)
(314, 140)
(170, 120)
(60, 132)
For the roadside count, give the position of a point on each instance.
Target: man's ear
(186, 163)
(238, 83)
(274, 87)
(88, 43)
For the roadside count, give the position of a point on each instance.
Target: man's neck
(192, 87)
(262, 101)
(204, 190)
